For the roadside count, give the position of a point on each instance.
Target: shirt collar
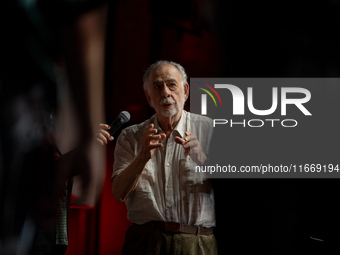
(180, 128)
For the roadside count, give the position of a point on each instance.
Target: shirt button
(168, 164)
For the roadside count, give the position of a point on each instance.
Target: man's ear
(146, 92)
(186, 90)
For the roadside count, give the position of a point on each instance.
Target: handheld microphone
(123, 117)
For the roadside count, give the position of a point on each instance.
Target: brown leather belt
(177, 228)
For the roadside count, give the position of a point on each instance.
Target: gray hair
(163, 63)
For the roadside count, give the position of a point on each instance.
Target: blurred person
(40, 37)
(171, 208)
(54, 240)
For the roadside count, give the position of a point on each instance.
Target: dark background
(222, 39)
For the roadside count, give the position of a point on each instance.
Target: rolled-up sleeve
(124, 153)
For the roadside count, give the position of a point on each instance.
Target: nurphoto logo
(238, 104)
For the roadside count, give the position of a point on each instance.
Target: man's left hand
(192, 147)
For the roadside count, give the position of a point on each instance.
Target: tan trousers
(144, 239)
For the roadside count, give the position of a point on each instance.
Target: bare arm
(126, 182)
(84, 45)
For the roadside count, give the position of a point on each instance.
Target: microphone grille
(125, 116)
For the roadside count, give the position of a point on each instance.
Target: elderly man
(171, 207)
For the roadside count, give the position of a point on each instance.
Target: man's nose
(166, 91)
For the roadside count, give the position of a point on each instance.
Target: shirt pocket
(184, 171)
(188, 174)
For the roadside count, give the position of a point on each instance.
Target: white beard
(169, 112)
(176, 107)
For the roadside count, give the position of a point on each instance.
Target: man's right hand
(150, 142)
(125, 182)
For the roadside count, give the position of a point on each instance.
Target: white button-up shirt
(167, 190)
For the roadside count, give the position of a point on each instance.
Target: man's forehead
(165, 73)
(164, 79)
